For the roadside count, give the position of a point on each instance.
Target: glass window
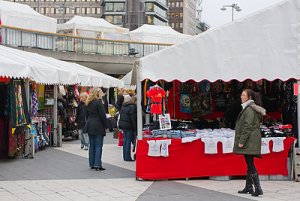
(181, 4)
(98, 11)
(181, 14)
(109, 18)
(52, 10)
(149, 6)
(83, 11)
(88, 10)
(173, 4)
(47, 10)
(93, 10)
(109, 6)
(181, 25)
(150, 20)
(177, 4)
(77, 10)
(118, 19)
(119, 7)
(67, 10)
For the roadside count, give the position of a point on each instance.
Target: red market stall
(262, 46)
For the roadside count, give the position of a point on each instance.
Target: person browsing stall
(128, 123)
(95, 127)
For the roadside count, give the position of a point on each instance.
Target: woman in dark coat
(95, 127)
(248, 138)
(128, 123)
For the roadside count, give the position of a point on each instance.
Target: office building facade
(182, 16)
(64, 10)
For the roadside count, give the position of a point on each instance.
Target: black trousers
(249, 159)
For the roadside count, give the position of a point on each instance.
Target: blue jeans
(128, 139)
(95, 151)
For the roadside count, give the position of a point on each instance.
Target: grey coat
(247, 130)
(96, 118)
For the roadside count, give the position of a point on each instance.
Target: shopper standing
(248, 138)
(95, 126)
(80, 120)
(128, 123)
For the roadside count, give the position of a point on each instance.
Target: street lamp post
(233, 7)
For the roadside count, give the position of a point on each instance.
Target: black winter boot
(256, 183)
(248, 188)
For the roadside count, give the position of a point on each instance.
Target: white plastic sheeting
(46, 70)
(265, 44)
(89, 26)
(157, 34)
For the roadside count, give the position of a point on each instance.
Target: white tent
(157, 34)
(127, 79)
(265, 45)
(20, 64)
(90, 27)
(22, 16)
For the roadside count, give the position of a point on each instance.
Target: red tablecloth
(189, 160)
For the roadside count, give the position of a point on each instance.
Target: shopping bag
(121, 138)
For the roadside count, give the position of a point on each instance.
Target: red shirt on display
(156, 94)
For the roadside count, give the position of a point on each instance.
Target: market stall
(252, 52)
(39, 76)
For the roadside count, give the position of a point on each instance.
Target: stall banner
(19, 109)
(40, 91)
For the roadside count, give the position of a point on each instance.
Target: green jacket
(247, 130)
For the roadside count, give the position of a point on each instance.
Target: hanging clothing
(34, 104)
(165, 147)
(156, 95)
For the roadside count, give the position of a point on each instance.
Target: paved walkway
(63, 174)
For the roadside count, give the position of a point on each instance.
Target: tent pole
(55, 134)
(139, 101)
(298, 112)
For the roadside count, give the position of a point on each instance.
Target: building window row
(154, 21)
(176, 4)
(175, 14)
(115, 19)
(67, 10)
(151, 7)
(176, 25)
(115, 7)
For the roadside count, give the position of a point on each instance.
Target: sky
(213, 16)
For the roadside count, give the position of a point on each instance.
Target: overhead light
(238, 9)
(223, 8)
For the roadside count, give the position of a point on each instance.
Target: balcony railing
(16, 37)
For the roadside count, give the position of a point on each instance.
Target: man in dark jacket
(128, 123)
(80, 120)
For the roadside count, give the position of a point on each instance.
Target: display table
(189, 160)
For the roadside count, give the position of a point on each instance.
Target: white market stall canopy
(127, 80)
(46, 70)
(265, 45)
(157, 34)
(90, 24)
(22, 16)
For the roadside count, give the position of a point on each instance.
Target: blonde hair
(83, 94)
(95, 93)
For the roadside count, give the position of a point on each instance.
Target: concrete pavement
(63, 174)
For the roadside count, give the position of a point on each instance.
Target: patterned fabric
(34, 104)
(19, 109)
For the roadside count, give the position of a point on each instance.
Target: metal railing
(12, 36)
